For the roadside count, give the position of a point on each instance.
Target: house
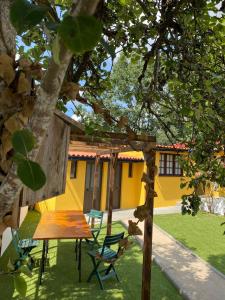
(129, 191)
(61, 191)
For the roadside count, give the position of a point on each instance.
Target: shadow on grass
(26, 231)
(218, 261)
(60, 280)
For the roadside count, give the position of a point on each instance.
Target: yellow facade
(132, 189)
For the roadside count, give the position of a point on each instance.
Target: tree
(124, 99)
(64, 44)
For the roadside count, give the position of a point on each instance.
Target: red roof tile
(124, 155)
(177, 146)
(79, 154)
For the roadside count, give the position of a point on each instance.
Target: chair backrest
(15, 240)
(112, 240)
(97, 215)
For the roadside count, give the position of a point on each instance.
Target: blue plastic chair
(107, 255)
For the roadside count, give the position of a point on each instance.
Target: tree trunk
(148, 226)
(112, 168)
(7, 31)
(47, 96)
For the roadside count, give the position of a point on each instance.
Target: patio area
(60, 280)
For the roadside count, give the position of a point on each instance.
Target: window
(130, 170)
(73, 170)
(169, 165)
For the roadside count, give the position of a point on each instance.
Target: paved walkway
(125, 214)
(193, 277)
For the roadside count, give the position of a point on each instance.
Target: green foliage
(80, 33)
(25, 270)
(168, 81)
(124, 2)
(23, 141)
(20, 285)
(21, 265)
(25, 15)
(29, 172)
(190, 204)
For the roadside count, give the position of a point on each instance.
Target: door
(89, 185)
(117, 186)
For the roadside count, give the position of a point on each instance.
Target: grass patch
(60, 281)
(203, 234)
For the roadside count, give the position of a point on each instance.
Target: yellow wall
(74, 194)
(132, 189)
(104, 185)
(167, 188)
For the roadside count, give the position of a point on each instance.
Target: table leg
(79, 260)
(76, 246)
(46, 250)
(43, 259)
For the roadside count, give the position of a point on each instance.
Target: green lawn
(203, 234)
(61, 278)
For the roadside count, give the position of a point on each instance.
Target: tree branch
(47, 96)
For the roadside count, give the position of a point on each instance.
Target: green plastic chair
(23, 247)
(98, 218)
(107, 255)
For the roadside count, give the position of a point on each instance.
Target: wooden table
(63, 224)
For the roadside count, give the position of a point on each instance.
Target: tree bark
(112, 168)
(148, 226)
(7, 31)
(47, 96)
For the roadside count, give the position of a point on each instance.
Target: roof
(174, 147)
(126, 156)
(92, 155)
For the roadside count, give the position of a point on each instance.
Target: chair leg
(99, 280)
(115, 273)
(95, 272)
(108, 269)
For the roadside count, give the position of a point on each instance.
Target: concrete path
(125, 214)
(193, 277)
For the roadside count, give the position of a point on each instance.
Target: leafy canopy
(170, 77)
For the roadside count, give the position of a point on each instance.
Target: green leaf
(124, 2)
(25, 15)
(31, 174)
(109, 48)
(18, 157)
(10, 266)
(23, 141)
(20, 285)
(25, 270)
(81, 33)
(183, 185)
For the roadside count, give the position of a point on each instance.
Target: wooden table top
(62, 224)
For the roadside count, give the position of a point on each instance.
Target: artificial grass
(60, 281)
(203, 234)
